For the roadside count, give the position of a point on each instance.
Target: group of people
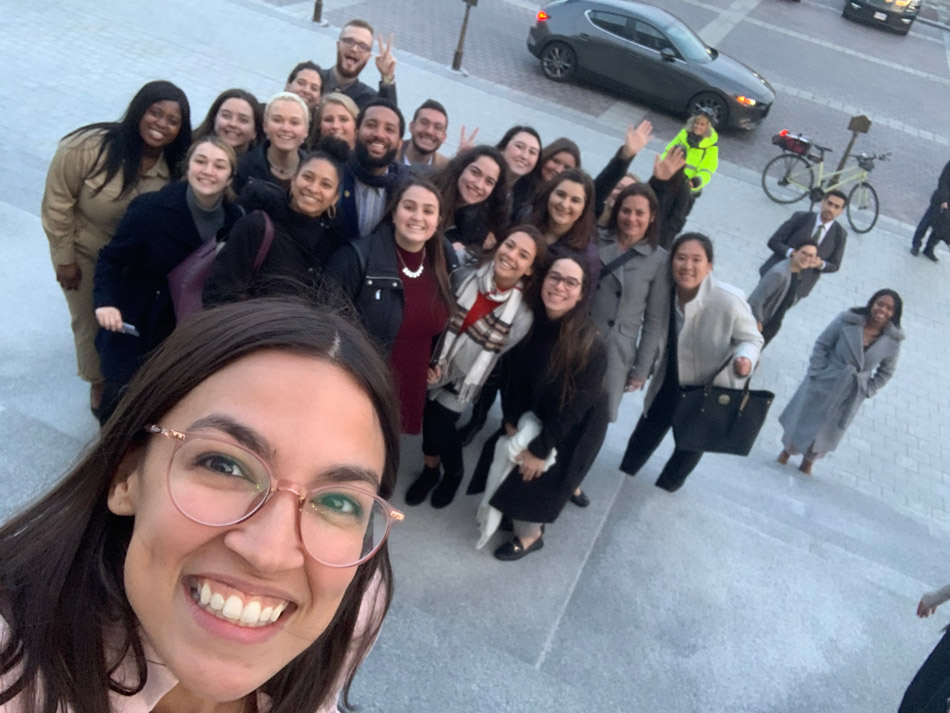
(300, 268)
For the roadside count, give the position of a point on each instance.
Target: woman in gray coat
(629, 303)
(852, 359)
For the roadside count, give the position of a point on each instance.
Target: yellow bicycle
(799, 171)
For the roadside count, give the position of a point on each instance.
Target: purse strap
(618, 261)
(265, 243)
(748, 379)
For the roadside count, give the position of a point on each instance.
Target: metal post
(858, 125)
(318, 12)
(457, 59)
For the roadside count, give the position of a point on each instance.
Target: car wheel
(711, 104)
(558, 62)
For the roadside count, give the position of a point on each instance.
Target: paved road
(752, 590)
(824, 69)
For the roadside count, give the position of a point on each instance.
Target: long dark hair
(526, 185)
(435, 246)
(639, 189)
(206, 127)
(494, 209)
(579, 236)
(886, 292)
(121, 147)
(62, 589)
(540, 254)
(576, 335)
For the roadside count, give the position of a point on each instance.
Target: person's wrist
(388, 78)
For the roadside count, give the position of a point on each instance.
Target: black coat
(942, 194)
(155, 235)
(577, 430)
(367, 272)
(301, 248)
(792, 233)
(359, 92)
(253, 166)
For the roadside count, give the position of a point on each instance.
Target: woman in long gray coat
(852, 359)
(629, 303)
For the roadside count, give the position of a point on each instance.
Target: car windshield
(688, 43)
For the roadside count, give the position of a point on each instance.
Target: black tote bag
(715, 419)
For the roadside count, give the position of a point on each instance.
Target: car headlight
(747, 101)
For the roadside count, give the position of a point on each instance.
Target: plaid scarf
(474, 352)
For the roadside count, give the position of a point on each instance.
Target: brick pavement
(753, 589)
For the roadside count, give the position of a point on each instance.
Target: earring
(331, 211)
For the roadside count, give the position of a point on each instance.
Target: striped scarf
(474, 352)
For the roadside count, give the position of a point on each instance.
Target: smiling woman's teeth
(234, 608)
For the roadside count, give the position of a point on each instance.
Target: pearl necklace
(413, 274)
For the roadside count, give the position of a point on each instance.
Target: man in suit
(823, 228)
(372, 174)
(939, 202)
(427, 133)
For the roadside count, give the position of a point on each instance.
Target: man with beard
(427, 132)
(353, 50)
(823, 228)
(372, 173)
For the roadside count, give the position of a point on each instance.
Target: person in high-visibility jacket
(699, 139)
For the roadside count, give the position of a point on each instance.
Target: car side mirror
(668, 54)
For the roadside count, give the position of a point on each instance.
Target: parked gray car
(646, 52)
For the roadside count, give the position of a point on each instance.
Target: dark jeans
(441, 438)
(650, 431)
(922, 227)
(929, 692)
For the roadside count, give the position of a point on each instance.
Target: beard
(367, 161)
(345, 74)
(424, 152)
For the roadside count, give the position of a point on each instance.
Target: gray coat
(767, 296)
(629, 309)
(717, 324)
(840, 376)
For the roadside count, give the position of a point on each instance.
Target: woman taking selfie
(158, 231)
(398, 279)
(852, 360)
(521, 149)
(630, 302)
(203, 555)
(237, 117)
(557, 373)
(94, 175)
(708, 324)
(491, 316)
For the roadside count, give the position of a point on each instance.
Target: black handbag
(714, 419)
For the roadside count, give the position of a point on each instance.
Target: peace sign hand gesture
(467, 142)
(385, 62)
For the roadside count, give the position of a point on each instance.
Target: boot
(419, 490)
(929, 252)
(444, 493)
(806, 465)
(783, 457)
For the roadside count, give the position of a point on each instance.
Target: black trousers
(441, 438)
(929, 692)
(922, 227)
(650, 431)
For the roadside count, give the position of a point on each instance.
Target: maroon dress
(424, 318)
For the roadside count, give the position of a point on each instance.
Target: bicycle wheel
(862, 207)
(787, 178)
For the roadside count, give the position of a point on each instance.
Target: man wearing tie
(823, 228)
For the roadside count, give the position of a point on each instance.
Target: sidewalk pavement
(752, 589)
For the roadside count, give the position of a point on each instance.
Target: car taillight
(542, 16)
(783, 132)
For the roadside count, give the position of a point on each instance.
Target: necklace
(413, 274)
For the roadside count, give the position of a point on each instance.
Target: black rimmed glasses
(353, 43)
(218, 483)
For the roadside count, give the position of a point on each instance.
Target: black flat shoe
(930, 254)
(514, 550)
(444, 492)
(419, 490)
(915, 251)
(580, 499)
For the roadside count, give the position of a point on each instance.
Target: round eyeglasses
(218, 483)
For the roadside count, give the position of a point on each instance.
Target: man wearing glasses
(353, 50)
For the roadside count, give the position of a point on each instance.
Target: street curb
(934, 23)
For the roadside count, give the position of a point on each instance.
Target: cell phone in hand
(130, 329)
